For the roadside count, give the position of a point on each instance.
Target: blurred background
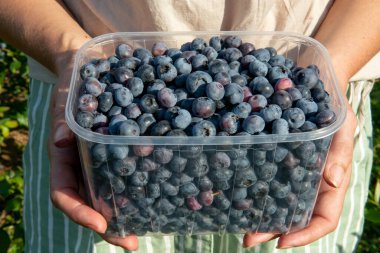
(14, 83)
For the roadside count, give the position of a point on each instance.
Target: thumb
(341, 151)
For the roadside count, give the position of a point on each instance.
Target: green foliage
(370, 240)
(13, 96)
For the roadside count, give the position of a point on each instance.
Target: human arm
(351, 34)
(46, 31)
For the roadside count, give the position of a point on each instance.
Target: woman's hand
(66, 182)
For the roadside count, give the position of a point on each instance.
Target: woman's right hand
(66, 183)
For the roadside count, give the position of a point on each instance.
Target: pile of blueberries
(221, 88)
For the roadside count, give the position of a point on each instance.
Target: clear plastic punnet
(159, 185)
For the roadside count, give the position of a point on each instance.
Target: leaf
(4, 131)
(22, 119)
(14, 204)
(377, 191)
(5, 241)
(15, 66)
(4, 189)
(11, 123)
(373, 215)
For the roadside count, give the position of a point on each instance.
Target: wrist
(65, 54)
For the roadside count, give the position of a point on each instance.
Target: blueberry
(305, 150)
(197, 167)
(239, 79)
(307, 77)
(162, 155)
(123, 96)
(305, 92)
(181, 94)
(234, 66)
(143, 150)
(232, 41)
(297, 174)
(88, 70)
(183, 66)
(164, 206)
(173, 53)
(210, 53)
(128, 128)
(135, 85)
(117, 151)
(279, 190)
(217, 66)
(294, 93)
(258, 190)
(166, 72)
(87, 103)
(232, 54)
(85, 119)
(205, 198)
(124, 167)
(166, 97)
(100, 120)
(105, 101)
(217, 43)
(204, 128)
(242, 204)
(122, 74)
(193, 204)
(188, 190)
(103, 66)
(259, 157)
(308, 106)
(325, 118)
(266, 172)
(308, 126)
(160, 175)
(260, 85)
(284, 83)
(257, 102)
(116, 183)
(220, 175)
(146, 73)
(153, 190)
(282, 99)
(277, 60)
(223, 78)
(220, 160)
(203, 107)
(277, 155)
(204, 183)
(222, 185)
(280, 126)
(142, 53)
(148, 103)
(221, 201)
(92, 86)
(246, 48)
(155, 86)
(132, 111)
(229, 123)
(131, 63)
(159, 48)
(238, 193)
(233, 93)
(168, 189)
(199, 62)
(177, 164)
(115, 123)
(161, 128)
(215, 90)
(123, 51)
(261, 54)
(145, 122)
(197, 80)
(253, 124)
(147, 164)
(198, 44)
(191, 151)
(277, 72)
(258, 68)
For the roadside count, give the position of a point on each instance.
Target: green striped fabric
(47, 230)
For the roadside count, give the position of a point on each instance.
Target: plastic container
(263, 206)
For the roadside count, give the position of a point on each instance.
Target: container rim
(212, 140)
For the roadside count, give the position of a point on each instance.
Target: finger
(71, 204)
(340, 154)
(325, 217)
(129, 242)
(253, 239)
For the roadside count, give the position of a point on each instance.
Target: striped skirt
(47, 230)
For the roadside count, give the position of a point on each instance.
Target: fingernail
(283, 247)
(61, 136)
(336, 175)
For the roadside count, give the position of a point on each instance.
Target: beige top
(99, 16)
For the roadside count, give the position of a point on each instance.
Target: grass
(13, 136)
